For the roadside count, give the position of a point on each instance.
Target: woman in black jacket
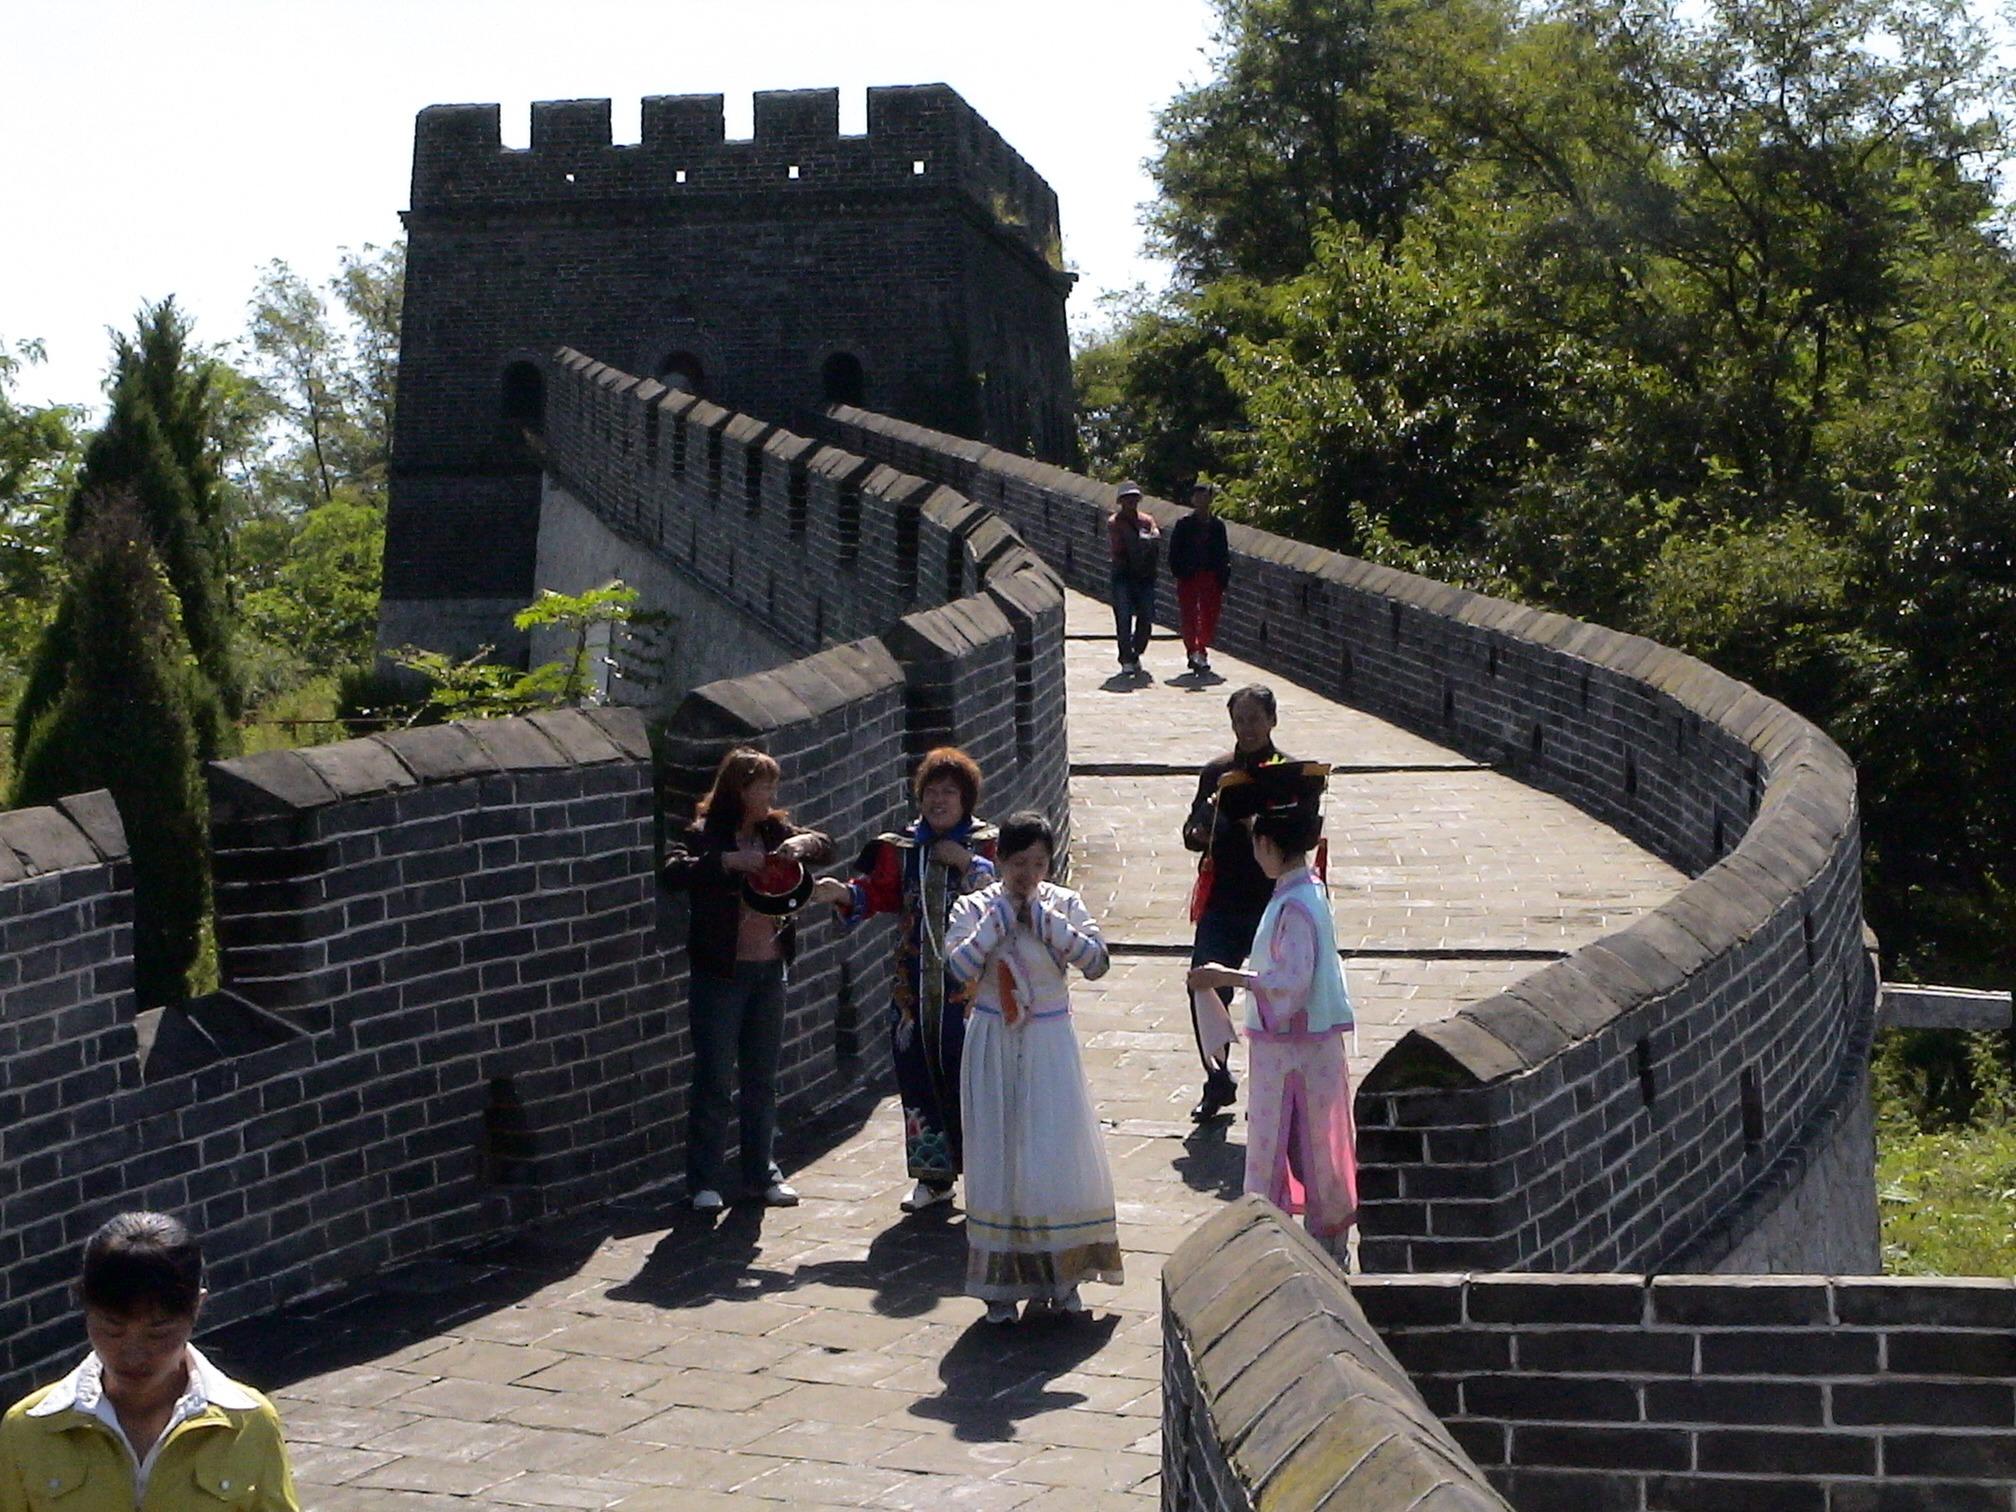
(739, 949)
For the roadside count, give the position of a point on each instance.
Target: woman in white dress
(1039, 1196)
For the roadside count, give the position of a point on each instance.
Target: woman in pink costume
(1299, 1139)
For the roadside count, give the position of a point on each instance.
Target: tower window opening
(524, 397)
(842, 381)
(682, 371)
(916, 167)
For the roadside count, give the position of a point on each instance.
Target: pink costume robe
(1299, 1140)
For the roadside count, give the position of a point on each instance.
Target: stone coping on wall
(312, 777)
(78, 831)
(1278, 1394)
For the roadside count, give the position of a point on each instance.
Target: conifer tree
(122, 722)
(156, 445)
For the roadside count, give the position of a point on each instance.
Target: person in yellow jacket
(145, 1423)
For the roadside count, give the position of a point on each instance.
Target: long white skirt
(1039, 1196)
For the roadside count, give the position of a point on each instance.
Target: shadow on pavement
(910, 1266)
(381, 1314)
(1210, 1162)
(994, 1376)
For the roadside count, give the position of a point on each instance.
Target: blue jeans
(1227, 939)
(738, 1018)
(1133, 614)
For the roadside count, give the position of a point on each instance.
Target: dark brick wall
(67, 1043)
(1647, 1102)
(1700, 1394)
(455, 993)
(924, 251)
(818, 546)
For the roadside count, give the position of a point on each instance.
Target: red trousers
(1199, 597)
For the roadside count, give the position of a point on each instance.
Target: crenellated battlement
(920, 138)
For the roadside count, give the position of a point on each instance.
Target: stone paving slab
(1463, 860)
(822, 1357)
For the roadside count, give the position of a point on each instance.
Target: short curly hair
(949, 764)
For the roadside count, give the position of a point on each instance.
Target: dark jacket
(693, 863)
(1200, 546)
(1216, 825)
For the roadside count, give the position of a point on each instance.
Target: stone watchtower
(914, 270)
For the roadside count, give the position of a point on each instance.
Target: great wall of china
(1601, 1204)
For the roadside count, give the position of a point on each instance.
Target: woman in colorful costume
(918, 875)
(1299, 1142)
(1039, 1196)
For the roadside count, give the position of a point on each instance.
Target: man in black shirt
(1235, 890)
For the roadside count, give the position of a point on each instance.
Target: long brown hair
(721, 809)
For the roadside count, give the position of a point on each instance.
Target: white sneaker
(999, 1313)
(780, 1194)
(707, 1200)
(924, 1195)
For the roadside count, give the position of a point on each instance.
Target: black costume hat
(1275, 787)
(779, 887)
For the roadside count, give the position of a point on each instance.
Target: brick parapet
(1808, 1393)
(821, 546)
(1278, 1396)
(473, 1017)
(1647, 1100)
(67, 1048)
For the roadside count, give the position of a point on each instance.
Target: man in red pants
(1200, 559)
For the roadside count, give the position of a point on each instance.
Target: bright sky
(155, 147)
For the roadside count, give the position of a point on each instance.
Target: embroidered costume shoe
(780, 1194)
(1000, 1313)
(924, 1195)
(707, 1200)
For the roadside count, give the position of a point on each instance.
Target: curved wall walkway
(1651, 1101)
(822, 1357)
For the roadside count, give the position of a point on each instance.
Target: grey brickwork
(67, 1045)
(455, 993)
(922, 257)
(814, 546)
(1277, 1396)
(1650, 1100)
(1705, 1393)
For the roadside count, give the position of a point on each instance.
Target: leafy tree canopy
(1698, 322)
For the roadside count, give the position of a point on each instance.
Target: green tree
(1308, 119)
(1696, 321)
(323, 366)
(122, 722)
(38, 464)
(158, 444)
(321, 601)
